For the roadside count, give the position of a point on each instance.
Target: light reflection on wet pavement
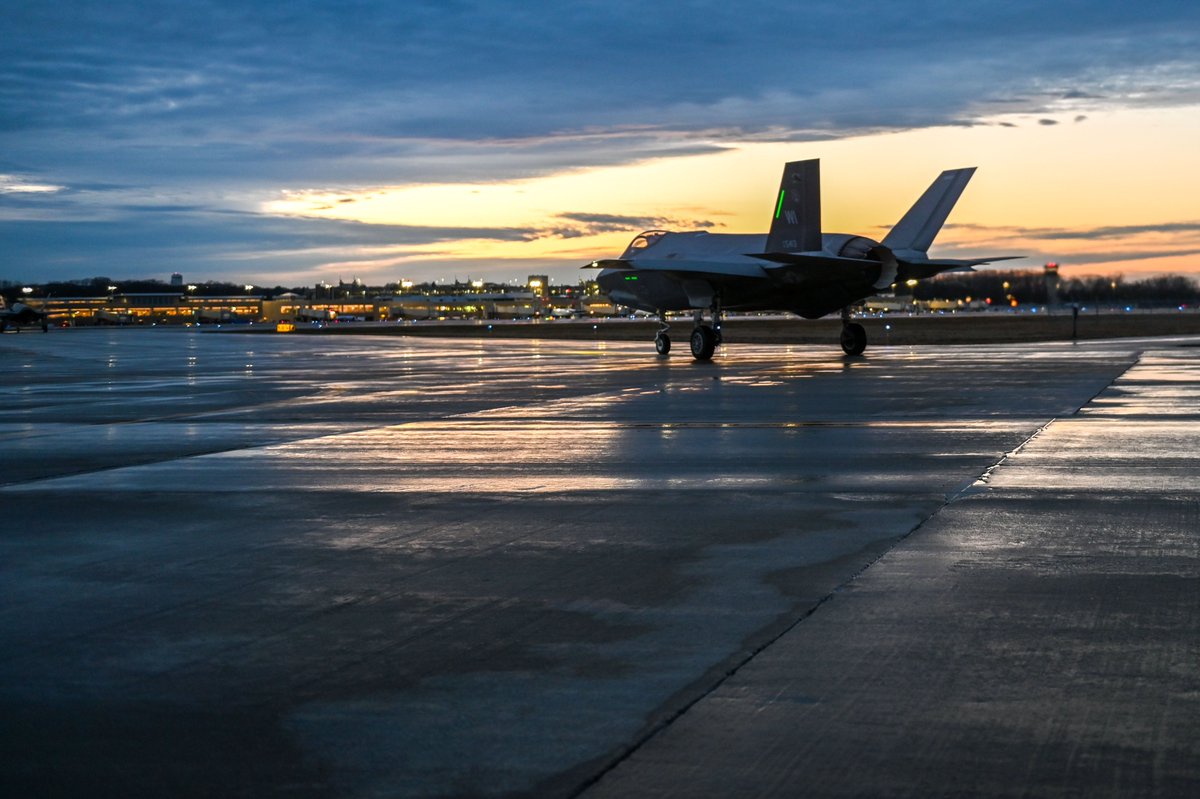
(415, 567)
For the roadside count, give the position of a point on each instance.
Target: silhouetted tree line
(1029, 288)
(99, 287)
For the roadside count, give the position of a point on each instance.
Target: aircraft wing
(791, 267)
(814, 268)
(609, 263)
(684, 269)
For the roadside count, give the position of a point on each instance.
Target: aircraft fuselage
(670, 273)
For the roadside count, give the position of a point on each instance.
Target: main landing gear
(704, 339)
(854, 336)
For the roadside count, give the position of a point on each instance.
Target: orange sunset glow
(1103, 195)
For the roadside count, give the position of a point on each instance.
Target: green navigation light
(631, 277)
(779, 207)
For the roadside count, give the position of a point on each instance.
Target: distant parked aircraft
(795, 267)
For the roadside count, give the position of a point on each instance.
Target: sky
(300, 142)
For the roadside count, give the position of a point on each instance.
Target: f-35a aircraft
(21, 315)
(795, 267)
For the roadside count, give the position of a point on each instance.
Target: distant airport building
(539, 285)
(481, 305)
(181, 305)
(151, 308)
(176, 280)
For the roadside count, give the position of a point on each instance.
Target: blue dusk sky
(297, 142)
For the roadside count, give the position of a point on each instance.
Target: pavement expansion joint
(1137, 358)
(981, 483)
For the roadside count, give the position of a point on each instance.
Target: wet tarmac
(281, 566)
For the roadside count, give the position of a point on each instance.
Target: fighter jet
(795, 267)
(21, 315)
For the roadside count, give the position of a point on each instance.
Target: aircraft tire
(704, 343)
(854, 338)
(662, 343)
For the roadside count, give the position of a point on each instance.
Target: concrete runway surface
(307, 567)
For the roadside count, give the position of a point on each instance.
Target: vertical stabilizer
(796, 222)
(917, 229)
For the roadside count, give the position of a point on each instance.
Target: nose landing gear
(662, 342)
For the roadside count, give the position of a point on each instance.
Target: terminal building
(183, 308)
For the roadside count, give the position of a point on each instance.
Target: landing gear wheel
(662, 343)
(854, 338)
(704, 342)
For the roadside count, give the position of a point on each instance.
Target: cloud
(11, 184)
(232, 87)
(1086, 246)
(1087, 233)
(587, 224)
(145, 243)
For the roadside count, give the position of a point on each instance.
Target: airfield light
(27, 290)
(406, 284)
(248, 288)
(477, 284)
(191, 287)
(910, 283)
(1013, 302)
(535, 284)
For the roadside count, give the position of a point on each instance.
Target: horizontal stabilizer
(917, 270)
(968, 261)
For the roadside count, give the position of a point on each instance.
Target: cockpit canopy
(641, 242)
